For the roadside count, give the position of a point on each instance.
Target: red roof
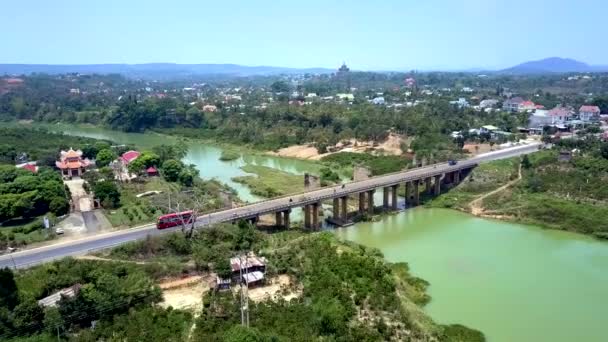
(129, 156)
(527, 104)
(589, 109)
(539, 106)
(151, 169)
(29, 167)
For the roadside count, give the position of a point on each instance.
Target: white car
(59, 231)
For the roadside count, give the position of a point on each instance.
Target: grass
(20, 232)
(268, 182)
(378, 165)
(484, 178)
(228, 155)
(133, 210)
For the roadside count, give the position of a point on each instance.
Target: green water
(513, 282)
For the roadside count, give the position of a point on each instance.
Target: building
(489, 103)
(31, 166)
(71, 163)
(559, 115)
(52, 300)
(378, 100)
(461, 103)
(589, 113)
(248, 264)
(512, 104)
(410, 82)
(129, 156)
(151, 171)
(527, 106)
(346, 97)
(209, 108)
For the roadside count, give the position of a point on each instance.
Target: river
(513, 282)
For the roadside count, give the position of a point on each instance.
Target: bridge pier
(394, 190)
(385, 194)
(437, 190)
(286, 220)
(456, 176)
(307, 209)
(361, 202)
(315, 215)
(278, 218)
(336, 208)
(344, 215)
(416, 192)
(408, 193)
(427, 186)
(370, 201)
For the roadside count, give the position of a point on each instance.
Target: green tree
(171, 169)
(9, 296)
(107, 192)
(28, 316)
(104, 157)
(525, 162)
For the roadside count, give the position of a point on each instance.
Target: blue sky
(368, 35)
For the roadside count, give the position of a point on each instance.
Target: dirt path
(476, 206)
(92, 257)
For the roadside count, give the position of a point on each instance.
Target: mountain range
(172, 70)
(553, 65)
(156, 70)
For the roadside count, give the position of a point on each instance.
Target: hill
(155, 70)
(552, 65)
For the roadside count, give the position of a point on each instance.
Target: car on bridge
(452, 162)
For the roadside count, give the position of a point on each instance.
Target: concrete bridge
(431, 179)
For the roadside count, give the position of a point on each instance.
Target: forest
(349, 293)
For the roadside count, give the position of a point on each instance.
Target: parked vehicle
(452, 162)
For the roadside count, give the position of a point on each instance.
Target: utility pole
(244, 294)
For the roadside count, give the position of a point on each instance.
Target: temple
(71, 163)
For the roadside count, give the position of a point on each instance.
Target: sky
(367, 35)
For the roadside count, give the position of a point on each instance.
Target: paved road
(38, 255)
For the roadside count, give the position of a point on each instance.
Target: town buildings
(589, 113)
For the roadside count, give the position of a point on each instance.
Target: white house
(589, 113)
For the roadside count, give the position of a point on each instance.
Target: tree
(604, 150)
(171, 169)
(104, 157)
(9, 296)
(222, 268)
(279, 87)
(107, 192)
(525, 162)
(28, 316)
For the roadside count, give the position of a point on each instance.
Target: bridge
(431, 177)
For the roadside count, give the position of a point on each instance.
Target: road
(86, 245)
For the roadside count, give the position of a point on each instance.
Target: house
(461, 103)
(489, 103)
(589, 113)
(209, 108)
(410, 82)
(151, 171)
(559, 115)
(29, 166)
(378, 100)
(247, 264)
(467, 90)
(488, 129)
(52, 300)
(253, 279)
(347, 97)
(512, 104)
(527, 106)
(129, 156)
(540, 119)
(222, 284)
(71, 163)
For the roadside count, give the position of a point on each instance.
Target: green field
(269, 182)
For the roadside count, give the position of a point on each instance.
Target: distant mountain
(156, 70)
(553, 65)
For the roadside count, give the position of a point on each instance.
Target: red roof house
(129, 156)
(588, 113)
(151, 171)
(30, 167)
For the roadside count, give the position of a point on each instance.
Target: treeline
(42, 145)
(24, 194)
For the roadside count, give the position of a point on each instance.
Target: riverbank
(544, 192)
